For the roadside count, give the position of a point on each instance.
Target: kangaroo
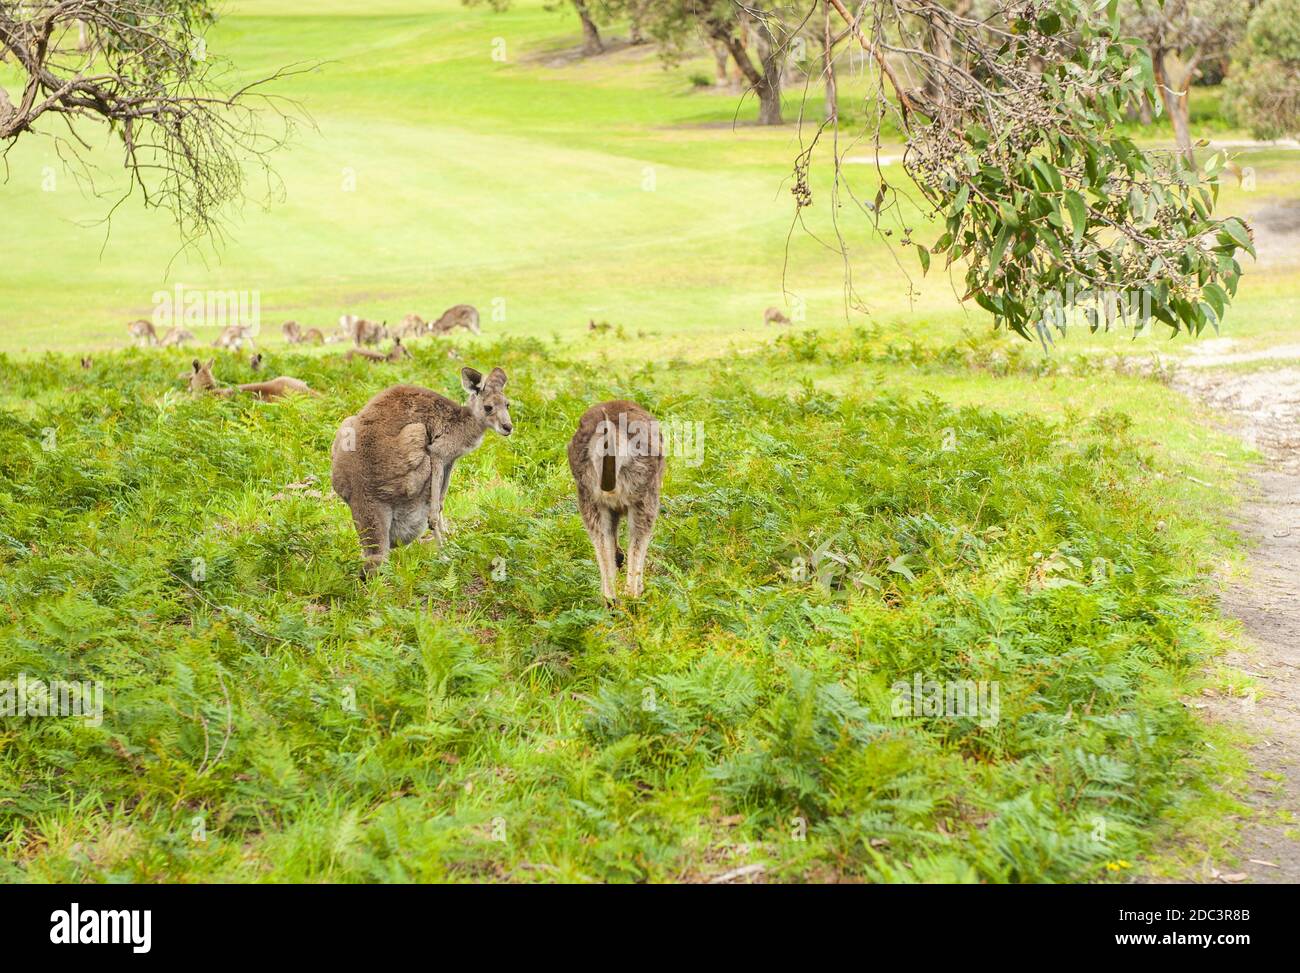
(368, 333)
(255, 362)
(176, 337)
(392, 461)
(395, 354)
(773, 315)
(87, 363)
(412, 326)
(202, 380)
(460, 316)
(617, 459)
(234, 337)
(292, 332)
(142, 333)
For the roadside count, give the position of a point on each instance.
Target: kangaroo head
(399, 351)
(256, 361)
(486, 399)
(201, 379)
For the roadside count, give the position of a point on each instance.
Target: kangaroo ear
(497, 377)
(196, 364)
(211, 362)
(471, 379)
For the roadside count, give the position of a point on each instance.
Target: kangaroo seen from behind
(392, 461)
(617, 460)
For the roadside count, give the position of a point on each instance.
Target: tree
(140, 67)
(1264, 87)
(1180, 35)
(729, 26)
(1040, 198)
(591, 43)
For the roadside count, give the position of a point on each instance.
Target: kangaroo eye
(488, 408)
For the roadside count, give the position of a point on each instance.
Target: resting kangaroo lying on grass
(395, 354)
(201, 380)
(617, 459)
(391, 462)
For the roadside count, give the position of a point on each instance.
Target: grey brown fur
(395, 354)
(392, 461)
(618, 475)
(142, 333)
(458, 316)
(202, 380)
(176, 337)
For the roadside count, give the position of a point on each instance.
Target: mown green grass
(564, 190)
(465, 718)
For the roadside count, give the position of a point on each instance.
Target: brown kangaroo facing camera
(617, 460)
(392, 461)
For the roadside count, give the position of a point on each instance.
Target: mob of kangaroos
(392, 461)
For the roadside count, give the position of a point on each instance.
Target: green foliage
(1264, 86)
(272, 716)
(1050, 205)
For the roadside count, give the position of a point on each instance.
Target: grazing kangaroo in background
(773, 315)
(369, 333)
(460, 316)
(313, 336)
(202, 380)
(392, 461)
(142, 333)
(617, 459)
(175, 336)
(412, 326)
(292, 332)
(234, 337)
(396, 354)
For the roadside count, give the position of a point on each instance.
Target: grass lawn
(882, 497)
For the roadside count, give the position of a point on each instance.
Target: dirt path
(1265, 408)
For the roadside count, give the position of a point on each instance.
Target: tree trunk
(1146, 111)
(767, 82)
(937, 43)
(635, 35)
(737, 75)
(769, 90)
(590, 35)
(1175, 100)
(720, 55)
